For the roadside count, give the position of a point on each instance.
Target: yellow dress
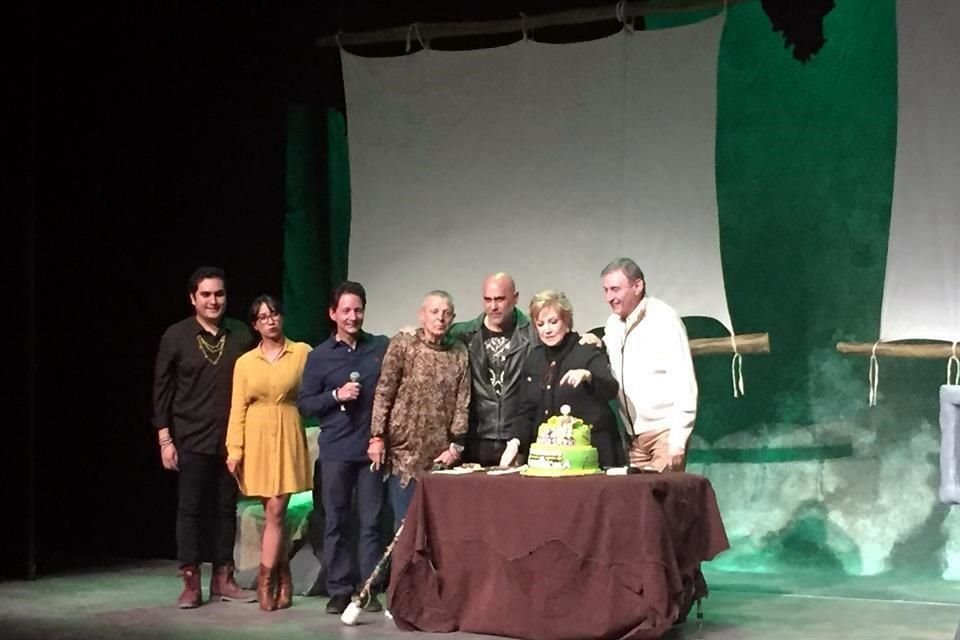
(265, 432)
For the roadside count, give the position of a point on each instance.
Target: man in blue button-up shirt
(339, 381)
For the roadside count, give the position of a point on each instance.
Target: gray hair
(627, 266)
(440, 293)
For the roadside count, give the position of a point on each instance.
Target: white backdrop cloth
(921, 293)
(545, 161)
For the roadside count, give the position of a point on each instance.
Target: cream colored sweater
(650, 358)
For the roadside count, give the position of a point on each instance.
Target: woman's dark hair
(272, 303)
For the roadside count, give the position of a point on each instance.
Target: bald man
(498, 341)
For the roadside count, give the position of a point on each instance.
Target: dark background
(150, 141)
(156, 145)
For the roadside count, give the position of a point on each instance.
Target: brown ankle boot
(224, 587)
(267, 588)
(191, 596)
(285, 586)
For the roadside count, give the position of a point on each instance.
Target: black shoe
(373, 605)
(338, 603)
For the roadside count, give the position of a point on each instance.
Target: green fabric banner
(317, 222)
(804, 165)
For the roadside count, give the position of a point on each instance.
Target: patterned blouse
(422, 401)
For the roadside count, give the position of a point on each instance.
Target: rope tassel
(953, 360)
(874, 376)
(736, 368)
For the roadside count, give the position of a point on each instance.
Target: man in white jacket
(650, 358)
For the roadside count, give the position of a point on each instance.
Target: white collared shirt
(650, 358)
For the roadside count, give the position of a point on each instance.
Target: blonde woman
(558, 371)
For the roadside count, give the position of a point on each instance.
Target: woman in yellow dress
(266, 445)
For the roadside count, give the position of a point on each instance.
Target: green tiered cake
(562, 448)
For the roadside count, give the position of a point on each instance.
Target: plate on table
(456, 471)
(499, 471)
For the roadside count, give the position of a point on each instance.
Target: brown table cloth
(554, 558)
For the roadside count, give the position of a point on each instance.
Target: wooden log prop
(746, 343)
(932, 350)
(928, 350)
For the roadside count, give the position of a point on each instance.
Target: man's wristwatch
(456, 448)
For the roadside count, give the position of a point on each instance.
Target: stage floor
(135, 601)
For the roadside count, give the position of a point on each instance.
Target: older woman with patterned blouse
(266, 444)
(421, 404)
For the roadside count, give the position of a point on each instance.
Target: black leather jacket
(589, 401)
(492, 416)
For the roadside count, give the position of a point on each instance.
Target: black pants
(610, 449)
(206, 510)
(483, 451)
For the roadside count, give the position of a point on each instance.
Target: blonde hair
(552, 299)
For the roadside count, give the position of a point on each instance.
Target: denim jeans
(339, 480)
(400, 498)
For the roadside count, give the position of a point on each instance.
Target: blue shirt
(344, 432)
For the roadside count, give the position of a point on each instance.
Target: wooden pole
(746, 343)
(427, 31)
(933, 351)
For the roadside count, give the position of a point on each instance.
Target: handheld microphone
(354, 377)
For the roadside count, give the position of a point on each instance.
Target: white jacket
(650, 358)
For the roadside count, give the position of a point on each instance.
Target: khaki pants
(652, 448)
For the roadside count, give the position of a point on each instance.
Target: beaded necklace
(212, 352)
